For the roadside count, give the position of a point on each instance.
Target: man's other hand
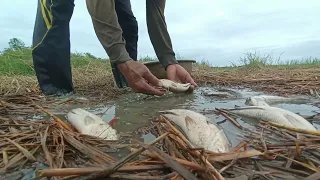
(177, 73)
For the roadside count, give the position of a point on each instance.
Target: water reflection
(136, 110)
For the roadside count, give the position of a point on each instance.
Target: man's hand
(177, 73)
(138, 77)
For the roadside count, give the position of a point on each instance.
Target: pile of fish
(196, 127)
(207, 135)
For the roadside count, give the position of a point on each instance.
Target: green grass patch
(17, 60)
(257, 61)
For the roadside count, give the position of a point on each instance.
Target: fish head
(190, 123)
(88, 120)
(79, 118)
(193, 128)
(79, 112)
(255, 101)
(76, 119)
(249, 101)
(175, 118)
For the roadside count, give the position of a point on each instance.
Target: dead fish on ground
(198, 131)
(273, 114)
(266, 100)
(217, 94)
(91, 124)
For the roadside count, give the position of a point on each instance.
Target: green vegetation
(17, 60)
(254, 60)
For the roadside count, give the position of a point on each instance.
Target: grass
(89, 72)
(17, 60)
(93, 75)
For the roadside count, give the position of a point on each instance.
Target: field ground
(93, 77)
(58, 147)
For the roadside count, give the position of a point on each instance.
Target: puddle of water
(136, 110)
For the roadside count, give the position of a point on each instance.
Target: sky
(219, 32)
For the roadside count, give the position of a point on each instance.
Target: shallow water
(136, 110)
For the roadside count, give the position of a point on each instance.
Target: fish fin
(188, 121)
(113, 121)
(88, 120)
(290, 118)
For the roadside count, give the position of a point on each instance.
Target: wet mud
(135, 111)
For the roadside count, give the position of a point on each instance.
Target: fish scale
(259, 109)
(198, 131)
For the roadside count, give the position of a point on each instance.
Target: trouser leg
(51, 46)
(158, 33)
(129, 26)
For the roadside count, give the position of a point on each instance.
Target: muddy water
(136, 110)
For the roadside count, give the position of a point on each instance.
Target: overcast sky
(216, 31)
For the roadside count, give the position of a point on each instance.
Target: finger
(191, 89)
(190, 80)
(145, 88)
(151, 78)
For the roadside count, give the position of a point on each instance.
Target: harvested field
(270, 151)
(100, 84)
(51, 148)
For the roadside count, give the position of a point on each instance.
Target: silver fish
(198, 131)
(273, 114)
(267, 100)
(174, 86)
(91, 124)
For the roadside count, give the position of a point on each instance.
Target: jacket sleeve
(158, 32)
(107, 29)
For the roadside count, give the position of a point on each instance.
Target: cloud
(217, 31)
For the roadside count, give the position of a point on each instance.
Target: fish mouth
(248, 101)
